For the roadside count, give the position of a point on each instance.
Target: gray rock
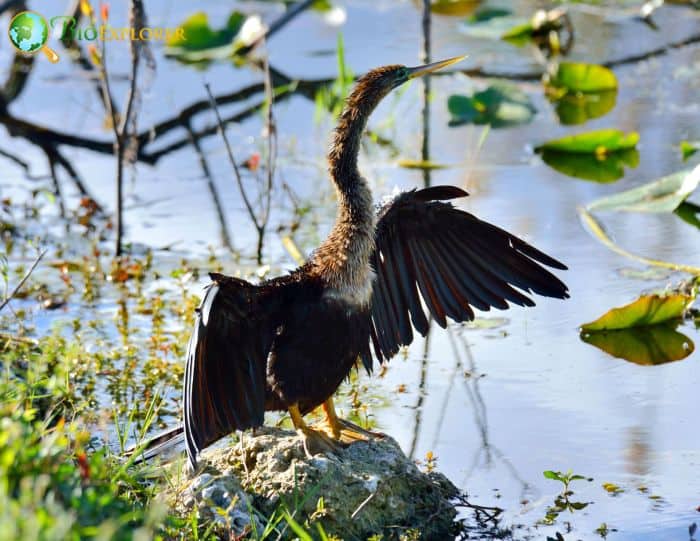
(367, 488)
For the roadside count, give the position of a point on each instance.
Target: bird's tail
(161, 443)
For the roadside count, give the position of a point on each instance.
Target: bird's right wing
(224, 388)
(429, 252)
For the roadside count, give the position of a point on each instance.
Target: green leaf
(454, 7)
(500, 105)
(663, 195)
(577, 108)
(492, 27)
(689, 213)
(202, 43)
(297, 528)
(605, 168)
(646, 310)
(646, 346)
(555, 476)
(487, 14)
(199, 35)
(580, 77)
(598, 142)
(688, 148)
(420, 164)
(519, 31)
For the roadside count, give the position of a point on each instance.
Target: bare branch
(23, 280)
(239, 180)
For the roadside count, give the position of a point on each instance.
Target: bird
(381, 275)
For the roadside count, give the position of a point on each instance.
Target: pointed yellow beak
(419, 71)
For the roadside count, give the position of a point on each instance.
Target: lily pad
(647, 310)
(492, 27)
(653, 345)
(202, 43)
(598, 142)
(454, 7)
(603, 168)
(580, 77)
(689, 213)
(500, 105)
(577, 108)
(688, 148)
(663, 195)
(420, 164)
(488, 14)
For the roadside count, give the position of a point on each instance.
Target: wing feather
(432, 256)
(224, 386)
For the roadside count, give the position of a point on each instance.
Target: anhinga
(288, 343)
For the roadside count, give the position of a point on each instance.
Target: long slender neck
(343, 258)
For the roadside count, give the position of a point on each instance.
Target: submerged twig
(599, 232)
(21, 283)
(218, 206)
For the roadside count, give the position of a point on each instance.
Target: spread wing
(224, 386)
(454, 260)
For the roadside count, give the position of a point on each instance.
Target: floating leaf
(492, 27)
(454, 7)
(689, 213)
(612, 488)
(652, 345)
(663, 195)
(605, 168)
(598, 142)
(201, 43)
(688, 148)
(580, 77)
(578, 108)
(420, 164)
(543, 23)
(500, 105)
(488, 14)
(646, 310)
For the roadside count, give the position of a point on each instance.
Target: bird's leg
(314, 441)
(343, 430)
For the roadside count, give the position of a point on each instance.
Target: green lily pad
(689, 213)
(500, 105)
(577, 108)
(488, 14)
(454, 7)
(663, 195)
(420, 164)
(653, 345)
(604, 168)
(647, 310)
(492, 27)
(202, 43)
(580, 77)
(598, 142)
(688, 148)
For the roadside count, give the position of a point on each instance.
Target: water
(499, 405)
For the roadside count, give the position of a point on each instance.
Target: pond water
(499, 402)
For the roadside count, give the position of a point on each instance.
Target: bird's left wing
(429, 252)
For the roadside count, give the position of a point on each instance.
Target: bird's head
(381, 81)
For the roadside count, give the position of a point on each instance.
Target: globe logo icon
(29, 33)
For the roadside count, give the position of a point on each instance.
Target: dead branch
(23, 280)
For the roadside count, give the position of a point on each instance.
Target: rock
(367, 488)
